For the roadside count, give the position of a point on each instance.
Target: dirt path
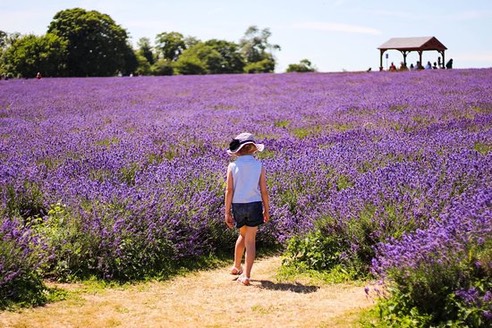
(203, 299)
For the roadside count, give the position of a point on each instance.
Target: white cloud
(337, 27)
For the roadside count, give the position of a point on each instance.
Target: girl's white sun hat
(243, 139)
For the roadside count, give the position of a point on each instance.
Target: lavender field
(121, 177)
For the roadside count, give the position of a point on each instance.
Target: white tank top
(246, 172)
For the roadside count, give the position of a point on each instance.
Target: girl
(247, 203)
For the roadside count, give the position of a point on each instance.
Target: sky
(334, 35)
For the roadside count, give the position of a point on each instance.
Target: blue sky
(335, 35)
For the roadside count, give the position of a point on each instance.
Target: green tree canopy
(231, 60)
(3, 39)
(304, 66)
(198, 59)
(170, 45)
(257, 50)
(211, 57)
(30, 54)
(145, 50)
(97, 46)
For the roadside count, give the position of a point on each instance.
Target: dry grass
(203, 299)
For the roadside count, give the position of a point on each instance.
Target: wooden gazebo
(406, 45)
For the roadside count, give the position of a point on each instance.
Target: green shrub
(452, 291)
(65, 243)
(20, 258)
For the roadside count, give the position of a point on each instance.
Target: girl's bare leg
(249, 234)
(239, 250)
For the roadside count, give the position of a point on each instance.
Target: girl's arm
(229, 192)
(264, 195)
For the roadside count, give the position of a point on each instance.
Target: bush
(303, 67)
(441, 275)
(452, 288)
(20, 259)
(266, 65)
(163, 67)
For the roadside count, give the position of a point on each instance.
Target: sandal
(235, 271)
(244, 280)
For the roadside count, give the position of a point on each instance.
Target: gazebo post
(404, 53)
(420, 59)
(443, 60)
(381, 59)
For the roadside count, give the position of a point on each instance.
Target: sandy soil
(203, 299)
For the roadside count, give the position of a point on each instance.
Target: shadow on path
(287, 287)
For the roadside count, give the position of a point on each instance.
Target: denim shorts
(247, 214)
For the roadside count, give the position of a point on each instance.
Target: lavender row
(140, 163)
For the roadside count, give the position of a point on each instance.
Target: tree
(6, 40)
(170, 45)
(143, 67)
(145, 50)
(163, 67)
(199, 59)
(210, 57)
(303, 66)
(130, 62)
(97, 46)
(30, 54)
(266, 65)
(231, 60)
(3, 39)
(257, 51)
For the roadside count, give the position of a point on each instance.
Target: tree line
(83, 43)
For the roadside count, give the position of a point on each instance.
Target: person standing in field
(247, 203)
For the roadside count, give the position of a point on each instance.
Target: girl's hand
(229, 221)
(266, 217)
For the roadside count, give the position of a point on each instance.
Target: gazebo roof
(413, 44)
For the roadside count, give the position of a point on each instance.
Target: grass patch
(336, 275)
(483, 148)
(108, 142)
(305, 132)
(282, 124)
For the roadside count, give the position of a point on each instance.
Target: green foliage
(96, 45)
(345, 245)
(483, 148)
(31, 54)
(255, 47)
(25, 201)
(343, 182)
(170, 45)
(282, 124)
(452, 291)
(89, 43)
(266, 65)
(303, 67)
(129, 173)
(20, 281)
(143, 66)
(27, 290)
(145, 50)
(322, 252)
(163, 67)
(190, 66)
(199, 59)
(211, 57)
(230, 59)
(64, 240)
(315, 251)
